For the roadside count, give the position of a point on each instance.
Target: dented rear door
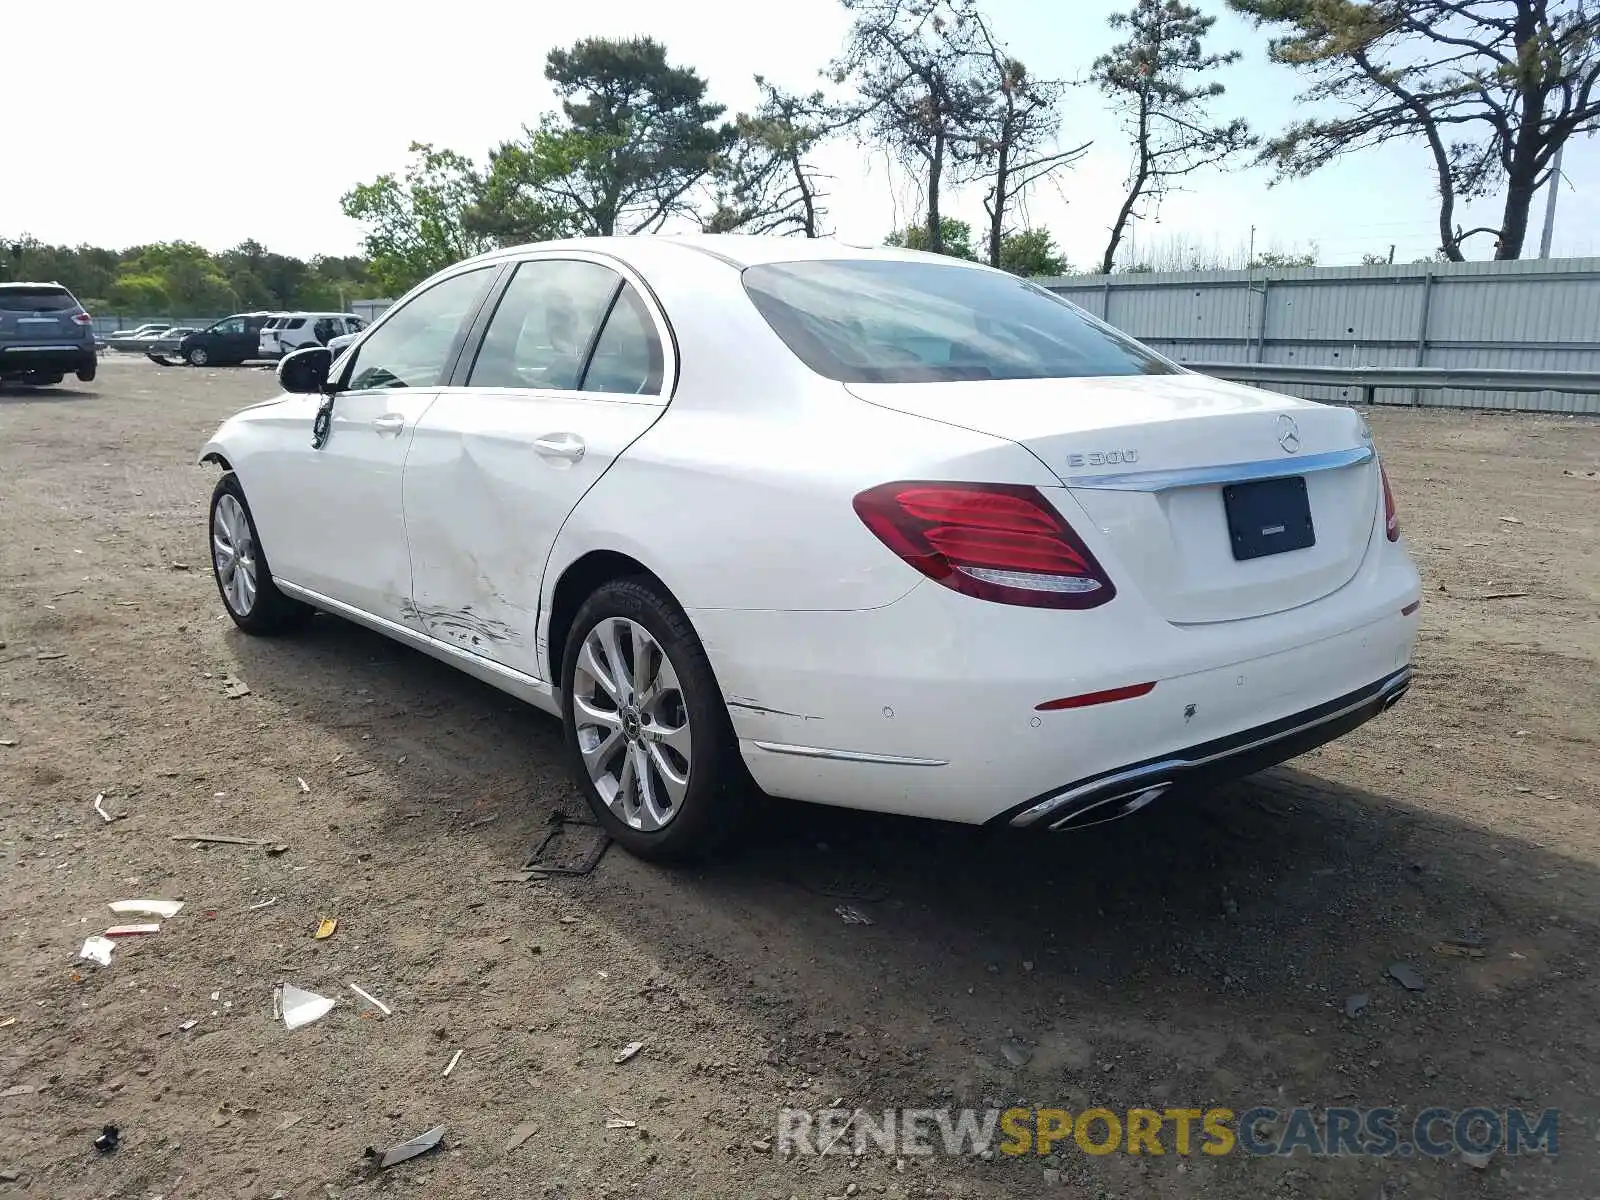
(500, 460)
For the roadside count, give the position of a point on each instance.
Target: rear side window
(889, 321)
(627, 358)
(36, 299)
(295, 323)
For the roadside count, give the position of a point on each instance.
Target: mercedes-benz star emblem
(1288, 433)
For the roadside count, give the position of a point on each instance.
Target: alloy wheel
(233, 551)
(632, 724)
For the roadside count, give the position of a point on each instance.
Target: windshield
(893, 321)
(36, 299)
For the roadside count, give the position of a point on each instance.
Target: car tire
(254, 601)
(196, 356)
(87, 372)
(680, 732)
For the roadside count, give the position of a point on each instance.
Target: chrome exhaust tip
(1112, 808)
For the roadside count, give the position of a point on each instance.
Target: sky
(214, 123)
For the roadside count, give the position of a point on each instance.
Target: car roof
(735, 249)
(36, 283)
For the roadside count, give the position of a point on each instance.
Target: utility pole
(1550, 204)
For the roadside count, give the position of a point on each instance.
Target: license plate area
(1268, 516)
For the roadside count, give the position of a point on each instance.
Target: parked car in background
(285, 332)
(137, 341)
(45, 335)
(164, 349)
(871, 527)
(227, 343)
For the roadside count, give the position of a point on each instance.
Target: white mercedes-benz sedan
(865, 527)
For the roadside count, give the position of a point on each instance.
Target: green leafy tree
(139, 294)
(414, 223)
(193, 280)
(1032, 253)
(1493, 88)
(1160, 81)
(955, 239)
(1285, 258)
(634, 142)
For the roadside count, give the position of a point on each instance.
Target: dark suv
(227, 343)
(44, 334)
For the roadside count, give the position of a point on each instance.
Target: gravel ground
(1200, 956)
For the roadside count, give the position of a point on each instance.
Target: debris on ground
(110, 1138)
(1355, 1005)
(7, 741)
(1459, 948)
(554, 855)
(1478, 1162)
(188, 1025)
(326, 928)
(400, 1153)
(21, 1089)
(217, 839)
(305, 788)
(8, 1022)
(98, 948)
(620, 1123)
(1406, 976)
(1512, 520)
(852, 916)
(48, 655)
(100, 807)
(180, 566)
(1015, 1053)
(1503, 596)
(372, 1000)
(263, 904)
(451, 1066)
(234, 688)
(521, 1134)
(300, 1007)
(134, 930)
(165, 909)
(627, 1052)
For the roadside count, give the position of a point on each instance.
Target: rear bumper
(1124, 791)
(50, 360)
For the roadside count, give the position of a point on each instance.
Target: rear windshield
(36, 299)
(888, 321)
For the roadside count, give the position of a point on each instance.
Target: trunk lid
(1158, 463)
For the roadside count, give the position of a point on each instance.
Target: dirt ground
(1199, 956)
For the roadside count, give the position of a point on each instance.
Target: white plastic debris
(627, 1052)
(372, 1000)
(305, 787)
(133, 930)
(165, 909)
(300, 1007)
(454, 1059)
(420, 1144)
(100, 807)
(98, 948)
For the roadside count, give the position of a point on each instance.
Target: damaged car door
(568, 372)
(341, 501)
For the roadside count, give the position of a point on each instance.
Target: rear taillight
(995, 541)
(82, 318)
(1391, 520)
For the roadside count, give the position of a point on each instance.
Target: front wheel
(197, 357)
(243, 578)
(646, 730)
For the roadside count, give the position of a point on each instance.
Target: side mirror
(305, 371)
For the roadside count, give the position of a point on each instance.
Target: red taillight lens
(995, 541)
(82, 318)
(1391, 521)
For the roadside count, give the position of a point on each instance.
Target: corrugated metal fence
(1530, 315)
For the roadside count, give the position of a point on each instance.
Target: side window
(542, 328)
(412, 346)
(628, 357)
(294, 323)
(236, 325)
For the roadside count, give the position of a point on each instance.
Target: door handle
(389, 423)
(566, 446)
